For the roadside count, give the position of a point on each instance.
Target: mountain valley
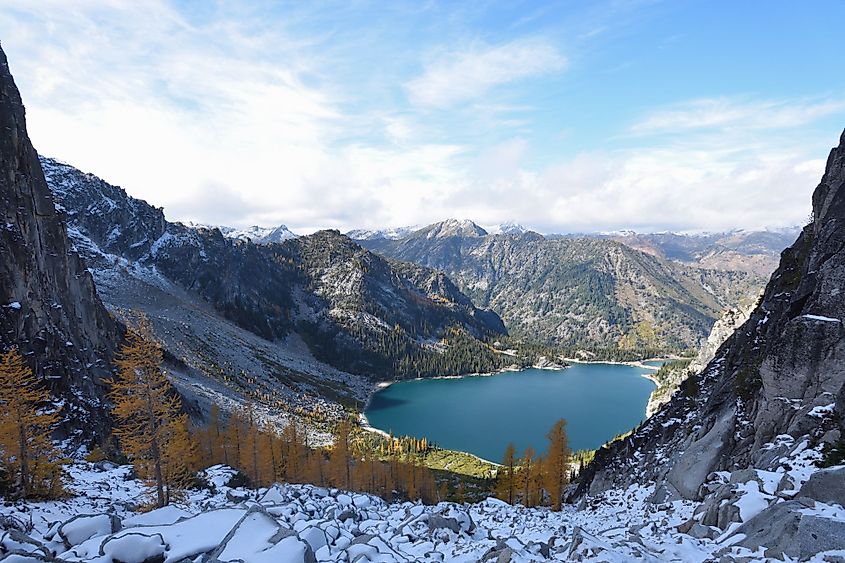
(273, 343)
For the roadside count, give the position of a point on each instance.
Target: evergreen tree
(28, 455)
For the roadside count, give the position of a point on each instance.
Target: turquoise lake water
(481, 415)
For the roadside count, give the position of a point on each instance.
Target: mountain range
(354, 309)
(587, 292)
(256, 234)
(752, 251)
(745, 462)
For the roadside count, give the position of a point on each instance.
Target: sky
(569, 116)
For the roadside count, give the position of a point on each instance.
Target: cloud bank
(241, 118)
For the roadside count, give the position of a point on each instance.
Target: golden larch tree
(527, 470)
(340, 459)
(557, 463)
(27, 419)
(214, 438)
(506, 478)
(252, 445)
(149, 425)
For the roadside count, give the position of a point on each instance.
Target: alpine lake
(481, 414)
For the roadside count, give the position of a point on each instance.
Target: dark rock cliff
(776, 385)
(49, 308)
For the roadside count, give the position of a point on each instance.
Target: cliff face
(671, 381)
(49, 308)
(777, 385)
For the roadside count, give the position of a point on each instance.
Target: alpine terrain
(182, 393)
(577, 292)
(49, 307)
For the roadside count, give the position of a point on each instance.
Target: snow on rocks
(85, 526)
(134, 548)
(307, 524)
(822, 411)
(160, 517)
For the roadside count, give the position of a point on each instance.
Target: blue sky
(563, 116)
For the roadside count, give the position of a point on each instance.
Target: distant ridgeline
(585, 293)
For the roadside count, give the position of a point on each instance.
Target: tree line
(153, 433)
(533, 480)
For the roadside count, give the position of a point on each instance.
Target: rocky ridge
(49, 307)
(751, 251)
(337, 296)
(256, 234)
(673, 377)
(774, 391)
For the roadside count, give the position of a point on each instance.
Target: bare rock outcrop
(779, 378)
(731, 319)
(49, 308)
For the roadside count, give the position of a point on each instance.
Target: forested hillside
(586, 292)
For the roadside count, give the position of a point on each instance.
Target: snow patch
(820, 318)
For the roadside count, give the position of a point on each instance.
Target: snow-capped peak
(454, 228)
(258, 235)
(394, 233)
(506, 228)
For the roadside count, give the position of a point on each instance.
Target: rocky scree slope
(775, 390)
(305, 524)
(340, 298)
(210, 358)
(669, 378)
(49, 308)
(575, 292)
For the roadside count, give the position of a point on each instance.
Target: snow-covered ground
(303, 523)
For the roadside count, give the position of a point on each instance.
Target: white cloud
(710, 182)
(223, 122)
(216, 123)
(454, 77)
(736, 113)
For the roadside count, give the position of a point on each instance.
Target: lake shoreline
(378, 386)
(366, 426)
(634, 364)
(364, 422)
(643, 370)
